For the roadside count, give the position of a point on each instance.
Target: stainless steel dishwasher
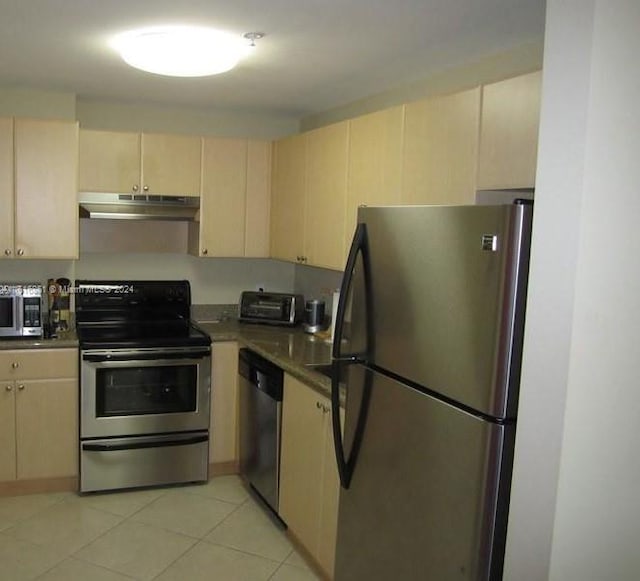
(260, 385)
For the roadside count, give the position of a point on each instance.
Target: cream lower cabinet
(223, 446)
(38, 414)
(234, 205)
(309, 486)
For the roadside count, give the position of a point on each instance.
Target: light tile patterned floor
(213, 531)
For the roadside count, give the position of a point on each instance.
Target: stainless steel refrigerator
(428, 348)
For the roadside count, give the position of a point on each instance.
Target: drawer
(39, 364)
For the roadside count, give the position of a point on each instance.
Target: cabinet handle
(7, 252)
(145, 188)
(20, 252)
(135, 188)
(21, 387)
(15, 365)
(205, 251)
(325, 408)
(9, 387)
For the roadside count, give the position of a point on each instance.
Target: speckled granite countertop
(67, 339)
(290, 348)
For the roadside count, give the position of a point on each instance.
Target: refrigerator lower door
(428, 495)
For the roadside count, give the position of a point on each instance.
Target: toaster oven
(271, 308)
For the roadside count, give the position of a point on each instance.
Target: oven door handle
(141, 356)
(133, 445)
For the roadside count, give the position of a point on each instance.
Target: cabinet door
(6, 188)
(256, 239)
(301, 452)
(171, 164)
(375, 163)
(224, 403)
(39, 363)
(441, 149)
(330, 497)
(47, 428)
(222, 204)
(509, 133)
(109, 161)
(46, 162)
(326, 193)
(288, 198)
(7, 431)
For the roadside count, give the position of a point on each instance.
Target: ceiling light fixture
(182, 51)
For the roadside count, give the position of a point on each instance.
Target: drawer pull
(21, 387)
(9, 387)
(15, 365)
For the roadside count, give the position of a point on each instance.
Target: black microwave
(20, 310)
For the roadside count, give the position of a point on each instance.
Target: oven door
(129, 392)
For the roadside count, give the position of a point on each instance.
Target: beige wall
(575, 513)
(96, 114)
(519, 60)
(16, 102)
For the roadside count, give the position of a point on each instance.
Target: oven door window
(135, 391)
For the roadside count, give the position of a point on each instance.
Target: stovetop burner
(130, 314)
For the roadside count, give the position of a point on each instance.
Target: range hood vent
(138, 206)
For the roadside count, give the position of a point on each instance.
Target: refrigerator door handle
(358, 246)
(346, 465)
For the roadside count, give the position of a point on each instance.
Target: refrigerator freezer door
(424, 501)
(448, 285)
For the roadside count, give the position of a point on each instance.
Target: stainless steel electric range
(145, 385)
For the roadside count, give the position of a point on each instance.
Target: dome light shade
(181, 51)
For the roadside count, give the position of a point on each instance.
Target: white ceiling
(317, 54)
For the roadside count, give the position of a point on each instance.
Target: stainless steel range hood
(138, 206)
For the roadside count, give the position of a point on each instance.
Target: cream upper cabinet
(171, 164)
(309, 487)
(234, 205)
(223, 200)
(288, 198)
(375, 163)
(46, 185)
(509, 133)
(38, 414)
(326, 189)
(147, 163)
(223, 450)
(7, 209)
(258, 202)
(109, 161)
(441, 149)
